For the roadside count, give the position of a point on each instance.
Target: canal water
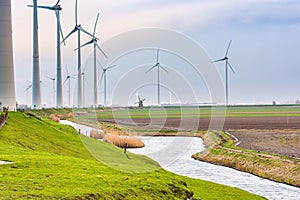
(174, 154)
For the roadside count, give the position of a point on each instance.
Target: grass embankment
(221, 150)
(51, 161)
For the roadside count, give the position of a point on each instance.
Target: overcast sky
(264, 53)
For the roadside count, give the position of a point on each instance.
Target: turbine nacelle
(57, 7)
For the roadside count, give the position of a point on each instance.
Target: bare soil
(285, 142)
(279, 135)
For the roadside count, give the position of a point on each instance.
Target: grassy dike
(51, 161)
(221, 150)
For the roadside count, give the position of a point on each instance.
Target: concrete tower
(7, 83)
(36, 81)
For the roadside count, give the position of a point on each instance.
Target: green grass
(51, 161)
(192, 112)
(180, 112)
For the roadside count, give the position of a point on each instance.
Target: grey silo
(7, 83)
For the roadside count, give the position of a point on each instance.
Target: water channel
(174, 154)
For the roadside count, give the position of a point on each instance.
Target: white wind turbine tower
(36, 86)
(78, 29)
(94, 41)
(158, 75)
(103, 76)
(7, 83)
(226, 69)
(83, 85)
(53, 87)
(57, 8)
(68, 78)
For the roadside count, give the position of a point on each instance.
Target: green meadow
(195, 112)
(51, 161)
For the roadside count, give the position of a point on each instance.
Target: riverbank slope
(50, 162)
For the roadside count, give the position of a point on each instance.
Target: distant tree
(297, 101)
(274, 103)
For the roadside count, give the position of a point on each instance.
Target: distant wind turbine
(53, 86)
(30, 86)
(83, 85)
(68, 78)
(158, 75)
(94, 41)
(57, 8)
(103, 76)
(78, 29)
(226, 69)
(36, 86)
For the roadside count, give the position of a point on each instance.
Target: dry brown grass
(56, 117)
(118, 139)
(123, 141)
(53, 117)
(97, 134)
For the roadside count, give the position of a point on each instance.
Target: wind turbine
(68, 78)
(103, 76)
(83, 84)
(36, 86)
(78, 29)
(158, 75)
(30, 86)
(94, 41)
(57, 8)
(53, 85)
(226, 68)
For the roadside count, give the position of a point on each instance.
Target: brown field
(279, 135)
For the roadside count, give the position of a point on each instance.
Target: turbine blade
(66, 80)
(100, 65)
(28, 88)
(95, 25)
(230, 67)
(157, 54)
(44, 84)
(76, 12)
(101, 50)
(151, 68)
(101, 78)
(59, 24)
(80, 28)
(31, 6)
(222, 59)
(45, 7)
(163, 68)
(67, 70)
(112, 66)
(57, 3)
(90, 42)
(51, 78)
(228, 48)
(73, 31)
